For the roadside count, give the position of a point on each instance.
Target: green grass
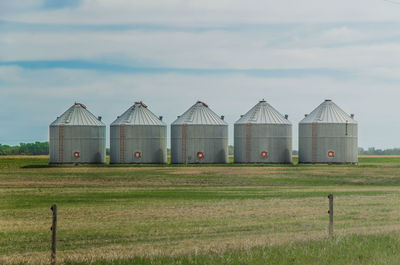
(208, 214)
(15, 162)
(354, 249)
(20, 162)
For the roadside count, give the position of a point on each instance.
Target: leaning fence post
(330, 197)
(54, 234)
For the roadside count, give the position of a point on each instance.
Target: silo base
(76, 164)
(264, 163)
(115, 163)
(326, 163)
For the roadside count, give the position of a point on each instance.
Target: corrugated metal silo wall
(54, 145)
(316, 140)
(89, 141)
(188, 140)
(253, 139)
(149, 140)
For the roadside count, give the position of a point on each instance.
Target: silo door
(200, 155)
(137, 155)
(77, 155)
(264, 154)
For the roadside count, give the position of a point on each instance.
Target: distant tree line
(42, 148)
(37, 148)
(373, 151)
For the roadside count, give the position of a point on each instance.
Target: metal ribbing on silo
(60, 144)
(184, 144)
(314, 142)
(138, 136)
(122, 144)
(77, 136)
(328, 135)
(199, 136)
(263, 135)
(248, 143)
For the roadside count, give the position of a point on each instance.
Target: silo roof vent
(80, 105)
(77, 115)
(201, 102)
(263, 113)
(199, 114)
(328, 112)
(138, 114)
(137, 103)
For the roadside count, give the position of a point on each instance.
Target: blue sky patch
(59, 4)
(140, 69)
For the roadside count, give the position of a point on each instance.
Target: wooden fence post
(54, 234)
(330, 197)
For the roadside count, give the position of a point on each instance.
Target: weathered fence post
(330, 197)
(54, 234)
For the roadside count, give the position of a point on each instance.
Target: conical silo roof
(199, 114)
(263, 113)
(328, 112)
(77, 115)
(138, 114)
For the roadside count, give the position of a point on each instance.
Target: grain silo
(138, 136)
(77, 136)
(199, 136)
(263, 135)
(328, 135)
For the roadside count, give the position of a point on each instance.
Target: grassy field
(200, 214)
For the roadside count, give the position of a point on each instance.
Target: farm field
(218, 214)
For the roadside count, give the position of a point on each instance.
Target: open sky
(108, 54)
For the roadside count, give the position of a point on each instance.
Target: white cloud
(209, 49)
(194, 12)
(8, 7)
(342, 34)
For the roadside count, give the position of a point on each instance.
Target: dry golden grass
(282, 221)
(185, 247)
(109, 213)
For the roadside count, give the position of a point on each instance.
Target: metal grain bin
(263, 135)
(77, 136)
(199, 136)
(138, 136)
(328, 135)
